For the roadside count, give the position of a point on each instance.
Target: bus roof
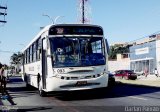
(46, 28)
(37, 36)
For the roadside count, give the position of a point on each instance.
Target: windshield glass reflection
(74, 52)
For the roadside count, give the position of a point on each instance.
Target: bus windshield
(77, 51)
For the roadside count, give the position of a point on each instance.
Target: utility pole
(3, 13)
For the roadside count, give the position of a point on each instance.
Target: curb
(139, 85)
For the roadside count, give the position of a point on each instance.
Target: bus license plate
(80, 83)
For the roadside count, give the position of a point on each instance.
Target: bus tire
(40, 90)
(28, 86)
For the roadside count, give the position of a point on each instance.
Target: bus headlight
(62, 77)
(103, 73)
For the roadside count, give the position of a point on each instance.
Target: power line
(1, 21)
(1, 7)
(1, 13)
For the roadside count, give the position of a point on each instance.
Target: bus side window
(38, 49)
(28, 55)
(34, 51)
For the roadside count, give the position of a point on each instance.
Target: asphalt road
(122, 97)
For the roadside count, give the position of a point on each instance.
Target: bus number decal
(60, 70)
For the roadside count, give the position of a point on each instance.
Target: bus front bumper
(56, 84)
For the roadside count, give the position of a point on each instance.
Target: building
(145, 55)
(121, 61)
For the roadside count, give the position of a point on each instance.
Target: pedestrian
(146, 72)
(6, 72)
(156, 72)
(2, 79)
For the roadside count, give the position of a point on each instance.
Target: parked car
(126, 74)
(111, 80)
(9, 72)
(139, 73)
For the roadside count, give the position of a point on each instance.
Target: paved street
(119, 97)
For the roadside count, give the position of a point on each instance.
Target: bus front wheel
(40, 90)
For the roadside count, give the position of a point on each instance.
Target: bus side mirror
(107, 46)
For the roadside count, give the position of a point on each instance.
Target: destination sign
(75, 30)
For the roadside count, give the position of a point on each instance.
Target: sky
(122, 20)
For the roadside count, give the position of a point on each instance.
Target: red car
(126, 74)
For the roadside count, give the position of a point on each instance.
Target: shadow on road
(16, 88)
(119, 90)
(16, 92)
(32, 109)
(10, 98)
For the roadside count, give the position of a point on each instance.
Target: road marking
(138, 98)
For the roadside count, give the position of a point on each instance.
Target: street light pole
(48, 17)
(56, 18)
(53, 21)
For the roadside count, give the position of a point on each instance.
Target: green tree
(118, 49)
(16, 58)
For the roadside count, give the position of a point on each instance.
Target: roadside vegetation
(118, 49)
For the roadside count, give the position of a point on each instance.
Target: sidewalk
(150, 81)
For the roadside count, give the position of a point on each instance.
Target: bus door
(44, 63)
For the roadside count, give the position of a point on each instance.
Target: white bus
(66, 57)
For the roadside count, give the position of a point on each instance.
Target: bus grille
(79, 77)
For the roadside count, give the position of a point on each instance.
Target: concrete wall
(120, 63)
